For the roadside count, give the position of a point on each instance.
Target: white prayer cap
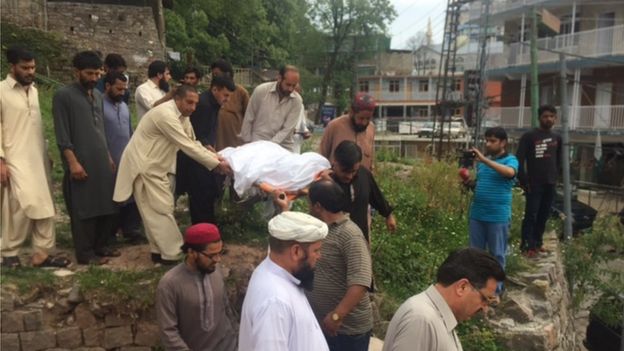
(297, 226)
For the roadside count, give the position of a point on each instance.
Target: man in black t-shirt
(539, 157)
(359, 186)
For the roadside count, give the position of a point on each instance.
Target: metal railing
(596, 117)
(592, 43)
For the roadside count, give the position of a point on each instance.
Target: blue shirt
(492, 197)
(117, 126)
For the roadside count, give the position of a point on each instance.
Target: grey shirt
(79, 126)
(117, 125)
(192, 310)
(269, 118)
(424, 322)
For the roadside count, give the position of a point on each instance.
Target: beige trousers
(161, 229)
(15, 226)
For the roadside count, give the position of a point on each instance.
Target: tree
(341, 20)
(416, 41)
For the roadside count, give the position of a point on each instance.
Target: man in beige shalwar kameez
(27, 206)
(148, 158)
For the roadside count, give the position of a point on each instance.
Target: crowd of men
(312, 291)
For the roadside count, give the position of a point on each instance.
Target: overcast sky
(412, 17)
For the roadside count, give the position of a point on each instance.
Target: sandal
(108, 252)
(54, 261)
(11, 262)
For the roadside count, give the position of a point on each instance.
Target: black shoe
(156, 258)
(11, 262)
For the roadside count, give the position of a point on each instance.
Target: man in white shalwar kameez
(276, 314)
(25, 195)
(148, 158)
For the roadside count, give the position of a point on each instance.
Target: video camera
(466, 159)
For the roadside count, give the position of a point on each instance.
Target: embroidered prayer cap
(297, 226)
(363, 101)
(202, 233)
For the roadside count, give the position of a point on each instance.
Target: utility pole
(534, 73)
(565, 151)
(480, 96)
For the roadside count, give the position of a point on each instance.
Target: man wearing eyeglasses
(466, 284)
(191, 301)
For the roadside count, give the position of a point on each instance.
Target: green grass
(134, 290)
(26, 279)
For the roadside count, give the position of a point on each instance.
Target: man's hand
(5, 177)
(211, 149)
(224, 167)
(281, 200)
(326, 174)
(391, 223)
(331, 326)
(480, 157)
(77, 172)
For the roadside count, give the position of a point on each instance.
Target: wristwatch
(335, 317)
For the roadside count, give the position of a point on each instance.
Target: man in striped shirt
(490, 213)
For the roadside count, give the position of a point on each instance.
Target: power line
(427, 15)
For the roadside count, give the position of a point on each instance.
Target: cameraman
(490, 212)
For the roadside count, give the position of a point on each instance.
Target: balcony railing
(591, 43)
(501, 6)
(582, 118)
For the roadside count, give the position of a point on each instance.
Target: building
(591, 33)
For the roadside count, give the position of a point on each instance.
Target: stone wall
(126, 30)
(535, 314)
(55, 323)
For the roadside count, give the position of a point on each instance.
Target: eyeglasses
(212, 256)
(486, 300)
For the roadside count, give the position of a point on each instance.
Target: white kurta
(151, 153)
(23, 147)
(276, 314)
(145, 96)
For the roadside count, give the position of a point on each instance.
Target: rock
(135, 348)
(552, 336)
(69, 337)
(75, 296)
(89, 349)
(33, 320)
(115, 320)
(12, 322)
(147, 334)
(507, 323)
(9, 342)
(539, 288)
(517, 308)
(7, 302)
(93, 336)
(117, 337)
(63, 272)
(38, 340)
(84, 317)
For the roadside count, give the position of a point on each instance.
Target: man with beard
(155, 90)
(465, 285)
(355, 126)
(118, 127)
(192, 305)
(359, 187)
(490, 212)
(539, 157)
(343, 274)
(26, 199)
(274, 110)
(89, 169)
(202, 185)
(114, 63)
(276, 315)
(232, 112)
(146, 162)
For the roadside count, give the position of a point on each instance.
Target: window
(394, 86)
(364, 86)
(457, 85)
(457, 112)
(423, 85)
(422, 112)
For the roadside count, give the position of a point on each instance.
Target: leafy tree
(344, 20)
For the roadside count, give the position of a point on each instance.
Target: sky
(412, 17)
